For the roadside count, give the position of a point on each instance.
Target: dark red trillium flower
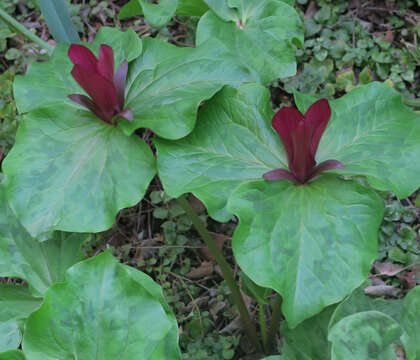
(300, 135)
(96, 77)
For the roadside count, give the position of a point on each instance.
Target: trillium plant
(302, 184)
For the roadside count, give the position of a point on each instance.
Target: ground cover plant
(166, 198)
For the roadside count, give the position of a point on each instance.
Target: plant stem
(275, 324)
(22, 30)
(263, 326)
(225, 268)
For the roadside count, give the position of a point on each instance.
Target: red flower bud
(96, 77)
(300, 135)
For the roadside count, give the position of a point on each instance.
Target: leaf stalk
(225, 268)
(22, 30)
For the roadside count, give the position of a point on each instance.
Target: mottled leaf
(166, 84)
(357, 302)
(70, 171)
(300, 240)
(16, 303)
(233, 142)
(363, 336)
(104, 310)
(40, 264)
(375, 135)
(411, 323)
(260, 33)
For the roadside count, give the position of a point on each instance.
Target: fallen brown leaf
(381, 290)
(205, 269)
(388, 269)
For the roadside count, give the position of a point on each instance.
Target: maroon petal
(126, 114)
(81, 55)
(318, 114)
(106, 62)
(327, 165)
(119, 81)
(284, 122)
(279, 174)
(84, 101)
(303, 161)
(101, 90)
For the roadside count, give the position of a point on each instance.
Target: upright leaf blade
(58, 20)
(104, 310)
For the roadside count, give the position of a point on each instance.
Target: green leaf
(159, 14)
(191, 7)
(16, 303)
(375, 136)
(71, 171)
(58, 20)
(357, 302)
(299, 240)
(233, 142)
(50, 82)
(411, 324)
(166, 85)
(40, 264)
(309, 340)
(10, 335)
(259, 33)
(12, 355)
(104, 310)
(363, 336)
(184, 8)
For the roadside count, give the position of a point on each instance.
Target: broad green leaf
(58, 20)
(40, 264)
(12, 355)
(104, 310)
(166, 85)
(159, 14)
(191, 7)
(363, 336)
(357, 302)
(411, 323)
(300, 240)
(16, 303)
(185, 8)
(71, 171)
(375, 135)
(232, 143)
(259, 33)
(309, 340)
(50, 82)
